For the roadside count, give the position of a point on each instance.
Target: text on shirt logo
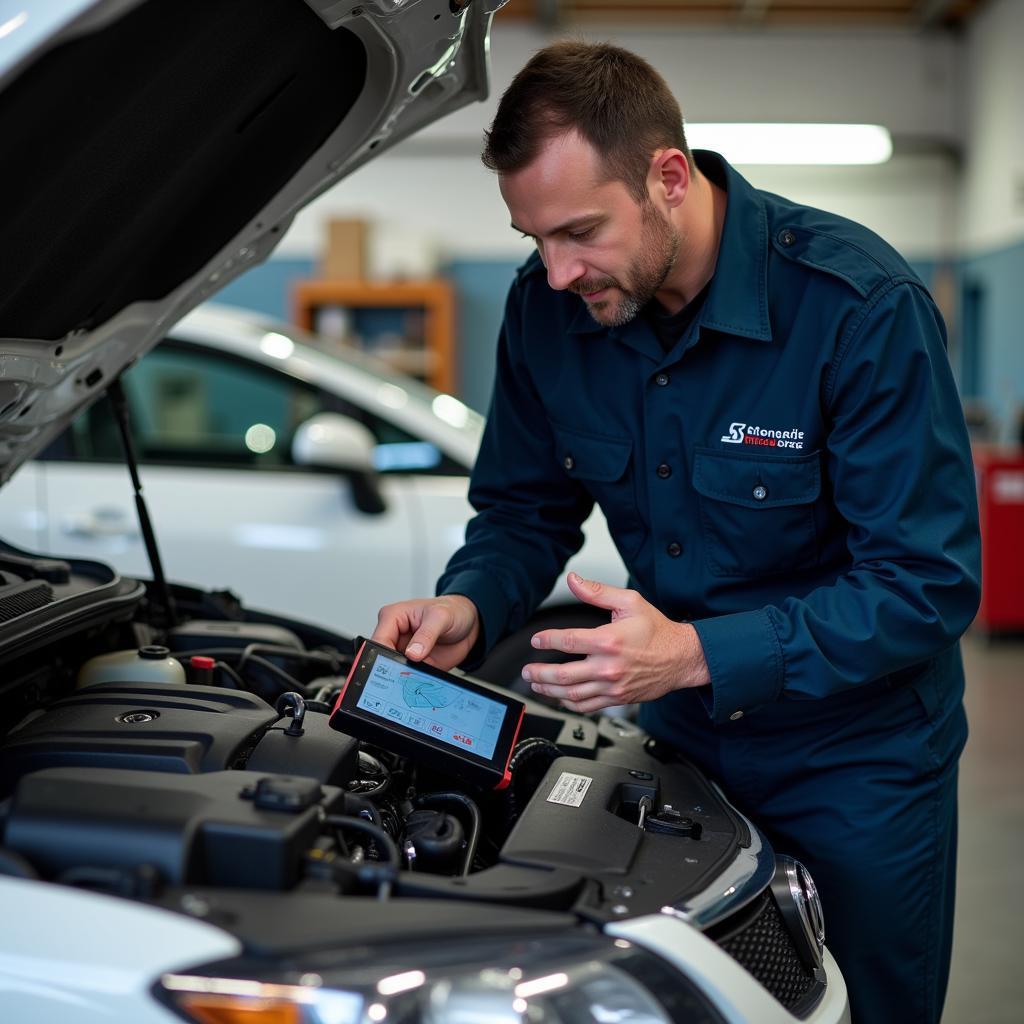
(743, 433)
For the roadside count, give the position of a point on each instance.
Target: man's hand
(639, 656)
(438, 630)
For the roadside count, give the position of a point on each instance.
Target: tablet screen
(448, 723)
(439, 710)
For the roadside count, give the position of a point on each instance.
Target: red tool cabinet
(999, 473)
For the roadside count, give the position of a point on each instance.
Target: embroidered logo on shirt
(745, 433)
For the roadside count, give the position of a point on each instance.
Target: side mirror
(329, 440)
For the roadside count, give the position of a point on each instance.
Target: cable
(375, 832)
(362, 808)
(384, 874)
(371, 766)
(289, 680)
(288, 652)
(248, 654)
(324, 692)
(236, 680)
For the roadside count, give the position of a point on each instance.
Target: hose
(468, 805)
(382, 874)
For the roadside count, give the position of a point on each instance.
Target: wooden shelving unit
(409, 325)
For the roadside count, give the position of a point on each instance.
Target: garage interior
(409, 261)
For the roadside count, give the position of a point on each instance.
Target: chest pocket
(603, 466)
(757, 512)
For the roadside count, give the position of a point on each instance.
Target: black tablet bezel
(492, 772)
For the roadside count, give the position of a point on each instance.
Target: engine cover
(182, 730)
(207, 830)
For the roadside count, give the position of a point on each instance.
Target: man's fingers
(598, 640)
(389, 628)
(601, 595)
(574, 691)
(602, 671)
(386, 634)
(590, 705)
(436, 620)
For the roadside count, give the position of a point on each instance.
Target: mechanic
(758, 397)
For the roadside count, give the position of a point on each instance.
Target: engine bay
(164, 745)
(140, 755)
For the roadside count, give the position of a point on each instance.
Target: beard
(659, 247)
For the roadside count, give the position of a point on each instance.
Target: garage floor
(987, 982)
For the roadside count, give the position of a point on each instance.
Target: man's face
(595, 239)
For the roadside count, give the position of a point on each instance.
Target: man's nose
(563, 268)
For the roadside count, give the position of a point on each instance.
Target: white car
(316, 485)
(194, 825)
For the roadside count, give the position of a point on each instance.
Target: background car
(317, 484)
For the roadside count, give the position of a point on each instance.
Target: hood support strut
(115, 393)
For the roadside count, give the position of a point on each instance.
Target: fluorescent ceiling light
(794, 143)
(13, 24)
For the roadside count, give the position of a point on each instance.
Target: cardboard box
(345, 255)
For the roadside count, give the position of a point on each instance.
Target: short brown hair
(613, 98)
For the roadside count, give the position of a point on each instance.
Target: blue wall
(267, 288)
(481, 287)
(988, 348)
(992, 332)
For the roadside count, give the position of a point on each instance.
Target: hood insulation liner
(134, 154)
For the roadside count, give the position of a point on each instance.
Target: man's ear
(669, 176)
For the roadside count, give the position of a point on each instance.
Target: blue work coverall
(794, 478)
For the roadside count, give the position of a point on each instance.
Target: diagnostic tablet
(446, 722)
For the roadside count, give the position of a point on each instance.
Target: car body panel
(291, 540)
(71, 955)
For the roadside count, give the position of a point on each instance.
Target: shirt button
(664, 471)
(760, 492)
(675, 549)
(569, 462)
(661, 380)
(735, 716)
(786, 237)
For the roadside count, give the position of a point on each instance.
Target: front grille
(758, 940)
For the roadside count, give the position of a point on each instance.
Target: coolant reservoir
(151, 664)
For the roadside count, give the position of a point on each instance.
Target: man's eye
(581, 236)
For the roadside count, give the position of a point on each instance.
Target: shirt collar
(737, 300)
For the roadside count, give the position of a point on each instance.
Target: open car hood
(154, 153)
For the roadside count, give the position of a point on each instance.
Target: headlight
(568, 980)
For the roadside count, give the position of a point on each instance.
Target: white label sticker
(1008, 487)
(570, 789)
